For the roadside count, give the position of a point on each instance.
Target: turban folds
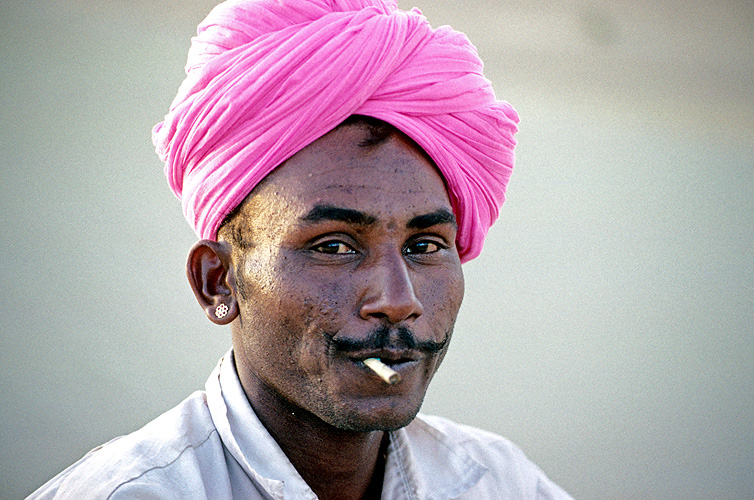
(265, 78)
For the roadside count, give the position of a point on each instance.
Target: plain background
(608, 327)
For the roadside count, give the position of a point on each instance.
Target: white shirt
(213, 446)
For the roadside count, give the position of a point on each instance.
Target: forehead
(390, 179)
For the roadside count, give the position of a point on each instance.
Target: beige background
(608, 327)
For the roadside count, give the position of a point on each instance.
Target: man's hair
(378, 131)
(234, 227)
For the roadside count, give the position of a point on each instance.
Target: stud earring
(221, 311)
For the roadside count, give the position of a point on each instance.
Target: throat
(353, 472)
(374, 491)
(336, 464)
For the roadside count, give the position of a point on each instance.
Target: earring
(221, 311)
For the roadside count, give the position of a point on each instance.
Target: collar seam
(167, 464)
(402, 468)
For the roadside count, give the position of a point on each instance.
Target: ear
(211, 276)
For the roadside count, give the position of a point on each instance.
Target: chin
(389, 417)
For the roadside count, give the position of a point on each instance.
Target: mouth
(391, 358)
(385, 372)
(391, 366)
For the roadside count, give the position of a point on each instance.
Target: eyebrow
(441, 216)
(321, 213)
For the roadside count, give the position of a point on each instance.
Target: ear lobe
(210, 274)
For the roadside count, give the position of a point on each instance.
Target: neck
(336, 464)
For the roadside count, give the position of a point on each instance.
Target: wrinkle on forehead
(334, 171)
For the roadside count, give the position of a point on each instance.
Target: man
(339, 160)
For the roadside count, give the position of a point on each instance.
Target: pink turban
(265, 78)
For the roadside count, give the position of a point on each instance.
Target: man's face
(348, 253)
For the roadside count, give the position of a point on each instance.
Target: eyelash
(413, 243)
(319, 247)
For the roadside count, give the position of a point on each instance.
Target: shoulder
(508, 468)
(147, 463)
(466, 435)
(484, 446)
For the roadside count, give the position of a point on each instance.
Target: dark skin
(343, 252)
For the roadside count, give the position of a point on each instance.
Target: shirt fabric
(212, 446)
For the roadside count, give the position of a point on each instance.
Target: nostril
(392, 310)
(389, 293)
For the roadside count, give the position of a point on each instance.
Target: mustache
(382, 338)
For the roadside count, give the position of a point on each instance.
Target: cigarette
(383, 371)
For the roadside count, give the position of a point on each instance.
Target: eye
(333, 247)
(423, 247)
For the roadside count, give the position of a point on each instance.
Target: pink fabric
(265, 78)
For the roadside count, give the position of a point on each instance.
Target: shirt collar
(425, 464)
(422, 462)
(247, 439)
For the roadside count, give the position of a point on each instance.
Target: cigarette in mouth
(382, 370)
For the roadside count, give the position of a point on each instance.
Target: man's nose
(390, 293)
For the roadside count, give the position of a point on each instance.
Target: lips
(400, 364)
(388, 356)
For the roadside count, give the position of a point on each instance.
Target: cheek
(460, 288)
(293, 312)
(255, 278)
(322, 313)
(319, 310)
(443, 297)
